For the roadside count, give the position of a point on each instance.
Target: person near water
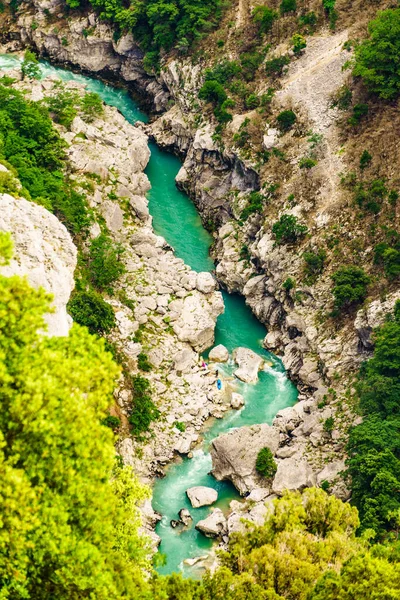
(216, 372)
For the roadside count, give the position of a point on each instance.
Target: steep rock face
(43, 252)
(86, 43)
(234, 455)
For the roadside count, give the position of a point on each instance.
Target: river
(176, 219)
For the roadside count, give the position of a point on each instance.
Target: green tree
(378, 58)
(350, 286)
(265, 463)
(286, 119)
(264, 17)
(69, 517)
(89, 309)
(288, 229)
(92, 106)
(287, 6)
(30, 66)
(105, 265)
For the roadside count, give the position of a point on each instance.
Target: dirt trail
(310, 82)
(243, 13)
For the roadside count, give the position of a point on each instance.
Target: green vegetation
(350, 287)
(30, 66)
(111, 422)
(374, 445)
(314, 263)
(378, 58)
(329, 425)
(64, 105)
(286, 119)
(287, 6)
(388, 254)
(159, 25)
(265, 463)
(307, 163)
(274, 67)
(104, 262)
(365, 160)
(69, 515)
(256, 203)
(264, 17)
(143, 362)
(288, 284)
(370, 195)
(329, 7)
(144, 410)
(298, 42)
(288, 230)
(180, 426)
(88, 308)
(359, 112)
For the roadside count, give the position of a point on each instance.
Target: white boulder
(218, 354)
(214, 525)
(249, 364)
(202, 496)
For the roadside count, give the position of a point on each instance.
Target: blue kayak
(219, 384)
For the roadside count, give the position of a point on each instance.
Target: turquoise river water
(176, 219)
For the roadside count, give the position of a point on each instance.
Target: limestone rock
(218, 354)
(237, 400)
(270, 138)
(234, 455)
(294, 473)
(196, 322)
(214, 525)
(43, 252)
(205, 283)
(185, 516)
(249, 363)
(202, 496)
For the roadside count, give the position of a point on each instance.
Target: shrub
(144, 410)
(298, 43)
(264, 17)
(180, 426)
(91, 106)
(314, 262)
(370, 196)
(64, 106)
(275, 66)
(288, 229)
(143, 362)
(256, 201)
(307, 162)
(89, 309)
(250, 62)
(329, 425)
(30, 66)
(342, 98)
(365, 159)
(252, 101)
(265, 463)
(308, 20)
(288, 284)
(359, 112)
(286, 119)
(111, 422)
(350, 286)
(389, 256)
(105, 265)
(223, 72)
(378, 58)
(329, 7)
(287, 6)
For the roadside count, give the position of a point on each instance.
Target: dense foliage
(144, 410)
(157, 24)
(88, 308)
(374, 445)
(69, 522)
(350, 286)
(265, 463)
(288, 229)
(378, 58)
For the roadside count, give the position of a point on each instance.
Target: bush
(315, 262)
(359, 112)
(370, 196)
(307, 162)
(180, 426)
(350, 286)
(265, 463)
(105, 265)
(287, 6)
(288, 229)
(256, 202)
(223, 72)
(250, 62)
(63, 105)
(275, 66)
(286, 119)
(143, 362)
(378, 58)
(389, 257)
(264, 17)
(89, 309)
(144, 410)
(252, 101)
(288, 284)
(365, 159)
(111, 422)
(91, 106)
(30, 66)
(329, 7)
(329, 425)
(308, 20)
(342, 98)
(298, 43)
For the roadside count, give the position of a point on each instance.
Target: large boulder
(43, 252)
(214, 525)
(218, 354)
(249, 364)
(294, 473)
(205, 283)
(202, 496)
(234, 455)
(197, 319)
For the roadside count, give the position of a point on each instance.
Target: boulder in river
(174, 523)
(202, 496)
(234, 455)
(237, 400)
(185, 516)
(205, 283)
(249, 364)
(218, 354)
(213, 525)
